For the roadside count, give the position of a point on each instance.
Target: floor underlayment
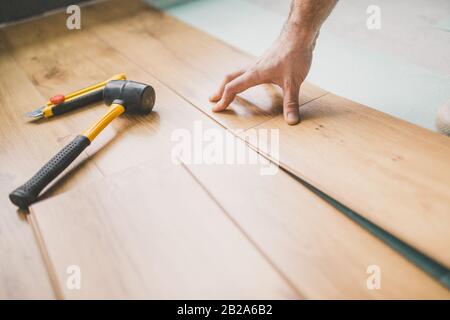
(402, 69)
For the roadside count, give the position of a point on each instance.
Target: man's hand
(286, 63)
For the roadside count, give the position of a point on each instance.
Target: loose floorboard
(393, 173)
(317, 248)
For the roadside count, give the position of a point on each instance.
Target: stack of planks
(140, 226)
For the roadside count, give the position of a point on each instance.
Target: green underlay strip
(430, 266)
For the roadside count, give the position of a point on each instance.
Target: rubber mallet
(122, 96)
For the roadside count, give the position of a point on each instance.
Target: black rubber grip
(88, 98)
(27, 193)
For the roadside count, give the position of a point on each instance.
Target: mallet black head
(134, 96)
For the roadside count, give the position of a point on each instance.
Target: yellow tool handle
(60, 104)
(114, 111)
(72, 95)
(27, 193)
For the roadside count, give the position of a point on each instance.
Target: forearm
(306, 17)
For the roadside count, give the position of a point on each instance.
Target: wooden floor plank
(22, 271)
(301, 236)
(167, 240)
(97, 62)
(394, 173)
(140, 140)
(182, 57)
(323, 253)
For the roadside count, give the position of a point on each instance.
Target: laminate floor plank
(395, 174)
(129, 142)
(392, 172)
(184, 58)
(303, 238)
(165, 239)
(320, 251)
(23, 147)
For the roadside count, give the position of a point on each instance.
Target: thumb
(290, 104)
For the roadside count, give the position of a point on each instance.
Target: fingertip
(218, 107)
(292, 118)
(214, 97)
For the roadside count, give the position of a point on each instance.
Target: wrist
(300, 34)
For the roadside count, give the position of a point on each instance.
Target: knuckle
(228, 78)
(229, 89)
(254, 72)
(290, 105)
(252, 69)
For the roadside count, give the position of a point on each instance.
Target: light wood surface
(165, 239)
(113, 217)
(394, 173)
(323, 253)
(190, 62)
(23, 147)
(273, 235)
(145, 138)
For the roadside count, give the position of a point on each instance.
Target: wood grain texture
(394, 173)
(140, 139)
(22, 147)
(309, 243)
(165, 239)
(320, 251)
(152, 133)
(139, 243)
(184, 58)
